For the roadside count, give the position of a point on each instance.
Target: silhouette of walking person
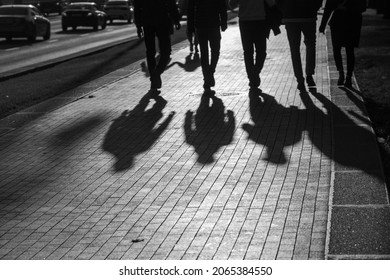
(135, 131)
(207, 18)
(153, 19)
(345, 26)
(300, 17)
(209, 129)
(254, 31)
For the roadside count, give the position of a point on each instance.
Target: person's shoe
(340, 81)
(348, 82)
(310, 81)
(301, 87)
(206, 83)
(209, 93)
(254, 92)
(154, 92)
(155, 79)
(206, 86)
(254, 82)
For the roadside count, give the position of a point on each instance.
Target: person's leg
(190, 39)
(150, 44)
(260, 42)
(338, 59)
(164, 43)
(339, 63)
(196, 43)
(248, 49)
(350, 51)
(215, 47)
(204, 55)
(294, 40)
(309, 32)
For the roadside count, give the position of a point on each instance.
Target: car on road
(18, 21)
(83, 14)
(51, 6)
(119, 9)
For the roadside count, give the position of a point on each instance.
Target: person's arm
(329, 7)
(223, 14)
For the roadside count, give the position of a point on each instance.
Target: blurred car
(119, 9)
(83, 14)
(51, 6)
(23, 21)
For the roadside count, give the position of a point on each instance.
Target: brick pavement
(117, 175)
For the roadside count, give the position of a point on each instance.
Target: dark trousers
(254, 43)
(350, 51)
(206, 37)
(162, 33)
(294, 35)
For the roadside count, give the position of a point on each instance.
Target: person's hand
(223, 27)
(178, 26)
(140, 32)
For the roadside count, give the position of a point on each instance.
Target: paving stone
(181, 176)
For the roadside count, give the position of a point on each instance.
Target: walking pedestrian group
(207, 18)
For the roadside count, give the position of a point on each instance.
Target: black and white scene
(208, 130)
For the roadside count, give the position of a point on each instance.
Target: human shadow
(353, 144)
(209, 128)
(275, 126)
(192, 62)
(136, 131)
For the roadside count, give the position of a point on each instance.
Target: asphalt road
(20, 55)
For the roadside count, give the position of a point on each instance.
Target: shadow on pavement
(136, 131)
(209, 128)
(191, 63)
(274, 134)
(354, 146)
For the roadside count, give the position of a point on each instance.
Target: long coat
(345, 21)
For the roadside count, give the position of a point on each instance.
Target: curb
(359, 209)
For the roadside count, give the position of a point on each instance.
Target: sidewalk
(116, 175)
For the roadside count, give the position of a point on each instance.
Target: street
(67, 60)
(21, 55)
